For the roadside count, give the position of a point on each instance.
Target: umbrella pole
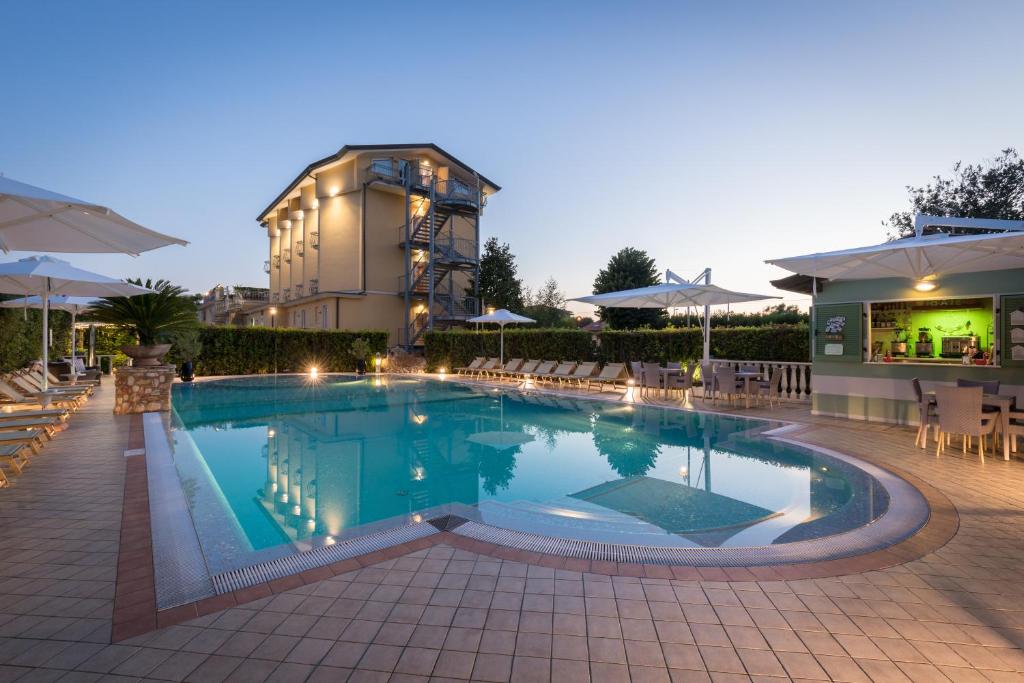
(501, 353)
(46, 337)
(74, 371)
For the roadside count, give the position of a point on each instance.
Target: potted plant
(151, 318)
(187, 345)
(361, 350)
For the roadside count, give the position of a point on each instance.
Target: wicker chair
(927, 415)
(726, 383)
(772, 389)
(682, 382)
(707, 381)
(960, 413)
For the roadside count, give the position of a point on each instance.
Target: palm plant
(149, 317)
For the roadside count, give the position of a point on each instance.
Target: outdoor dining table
(746, 376)
(1004, 404)
(665, 374)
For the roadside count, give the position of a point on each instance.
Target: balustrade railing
(796, 378)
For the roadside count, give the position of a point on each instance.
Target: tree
(547, 306)
(629, 269)
(150, 317)
(499, 286)
(992, 190)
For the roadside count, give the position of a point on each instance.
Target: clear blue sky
(707, 135)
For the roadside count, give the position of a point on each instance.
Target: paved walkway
(444, 614)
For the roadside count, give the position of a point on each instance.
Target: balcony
(275, 297)
(300, 249)
(287, 255)
(314, 240)
(314, 286)
(286, 293)
(266, 267)
(298, 291)
(277, 261)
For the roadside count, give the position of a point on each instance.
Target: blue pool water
(273, 464)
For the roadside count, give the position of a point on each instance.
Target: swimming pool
(272, 466)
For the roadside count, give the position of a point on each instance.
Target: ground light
(442, 372)
(314, 372)
(630, 391)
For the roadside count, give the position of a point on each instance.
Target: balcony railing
(300, 248)
(275, 297)
(314, 240)
(451, 189)
(266, 267)
(456, 249)
(298, 291)
(796, 377)
(286, 293)
(287, 255)
(314, 286)
(277, 261)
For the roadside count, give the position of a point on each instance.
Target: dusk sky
(707, 135)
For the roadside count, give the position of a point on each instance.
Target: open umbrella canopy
(34, 219)
(49, 276)
(60, 302)
(914, 257)
(671, 295)
(501, 317)
(45, 275)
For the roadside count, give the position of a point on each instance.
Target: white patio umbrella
(61, 302)
(918, 258)
(34, 219)
(500, 440)
(673, 295)
(501, 317)
(48, 277)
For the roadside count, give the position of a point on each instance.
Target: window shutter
(839, 332)
(1011, 324)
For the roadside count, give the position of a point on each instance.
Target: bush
(21, 335)
(790, 343)
(456, 348)
(232, 350)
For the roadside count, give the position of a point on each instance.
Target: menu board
(838, 332)
(1012, 319)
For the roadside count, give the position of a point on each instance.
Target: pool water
(269, 465)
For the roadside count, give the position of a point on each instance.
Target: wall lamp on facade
(333, 191)
(926, 285)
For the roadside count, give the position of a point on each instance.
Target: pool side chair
(771, 390)
(682, 382)
(611, 374)
(726, 384)
(960, 412)
(561, 373)
(582, 373)
(60, 414)
(1015, 429)
(36, 381)
(15, 455)
(58, 382)
(509, 369)
(11, 393)
(47, 425)
(650, 377)
(527, 368)
(489, 364)
(543, 369)
(927, 414)
(33, 438)
(28, 387)
(473, 366)
(707, 381)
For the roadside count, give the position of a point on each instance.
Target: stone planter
(143, 389)
(146, 356)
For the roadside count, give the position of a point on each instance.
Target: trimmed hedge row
(231, 350)
(456, 348)
(21, 335)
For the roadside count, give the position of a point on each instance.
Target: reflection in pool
(271, 464)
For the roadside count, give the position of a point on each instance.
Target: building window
(302, 317)
(323, 316)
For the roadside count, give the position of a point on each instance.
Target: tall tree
(499, 286)
(993, 189)
(629, 269)
(547, 306)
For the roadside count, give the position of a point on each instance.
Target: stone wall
(142, 389)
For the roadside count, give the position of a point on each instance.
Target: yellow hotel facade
(380, 237)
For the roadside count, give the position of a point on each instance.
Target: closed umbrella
(502, 317)
(34, 219)
(61, 302)
(672, 295)
(48, 276)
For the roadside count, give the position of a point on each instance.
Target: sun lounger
(80, 382)
(16, 456)
(508, 370)
(472, 367)
(527, 368)
(60, 413)
(33, 438)
(48, 425)
(10, 393)
(545, 367)
(611, 374)
(582, 373)
(562, 372)
(489, 364)
(33, 380)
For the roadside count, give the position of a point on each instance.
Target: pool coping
(135, 610)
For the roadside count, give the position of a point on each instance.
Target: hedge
(21, 335)
(232, 350)
(455, 348)
(788, 343)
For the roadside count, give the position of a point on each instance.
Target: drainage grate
(447, 522)
(300, 562)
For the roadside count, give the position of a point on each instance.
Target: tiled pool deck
(452, 610)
